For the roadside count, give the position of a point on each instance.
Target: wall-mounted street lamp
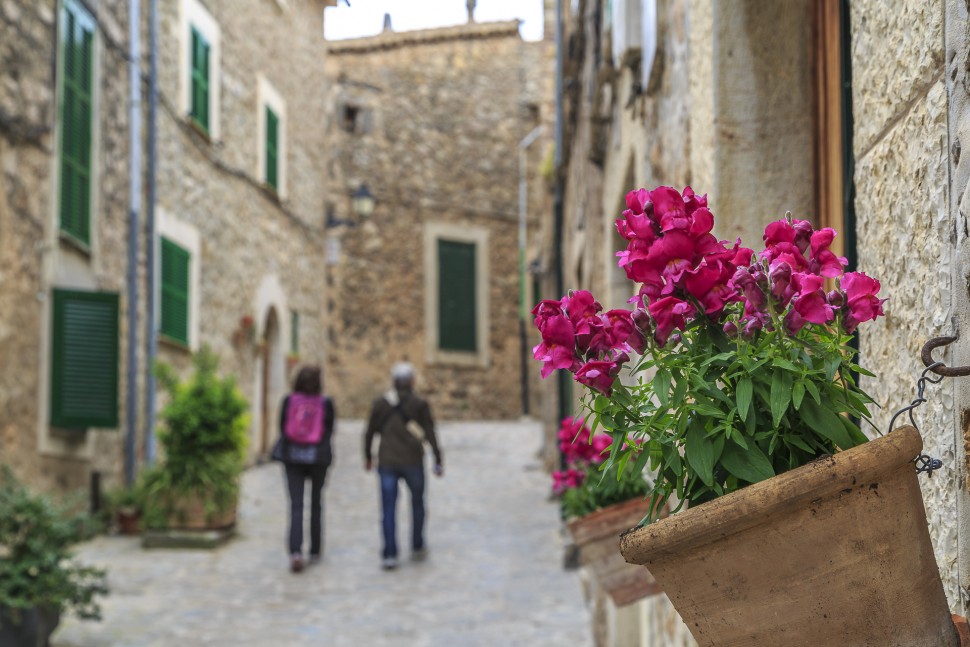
(363, 202)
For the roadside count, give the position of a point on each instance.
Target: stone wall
(906, 232)
(257, 251)
(430, 121)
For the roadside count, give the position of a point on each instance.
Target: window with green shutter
(84, 360)
(77, 119)
(175, 292)
(295, 332)
(272, 148)
(200, 80)
(457, 320)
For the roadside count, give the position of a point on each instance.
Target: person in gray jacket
(405, 424)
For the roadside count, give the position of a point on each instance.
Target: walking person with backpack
(405, 424)
(305, 448)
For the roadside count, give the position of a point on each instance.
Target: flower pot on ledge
(836, 552)
(597, 536)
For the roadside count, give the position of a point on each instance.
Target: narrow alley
(494, 575)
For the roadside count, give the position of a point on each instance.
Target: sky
(366, 17)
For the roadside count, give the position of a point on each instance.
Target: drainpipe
(151, 328)
(563, 377)
(523, 306)
(134, 207)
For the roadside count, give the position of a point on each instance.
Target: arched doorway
(272, 379)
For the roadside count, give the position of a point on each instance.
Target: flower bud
(835, 298)
(731, 330)
(641, 319)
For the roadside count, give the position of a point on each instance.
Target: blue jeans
(414, 478)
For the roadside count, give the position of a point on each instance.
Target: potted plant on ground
(203, 438)
(124, 506)
(38, 578)
(598, 506)
(792, 528)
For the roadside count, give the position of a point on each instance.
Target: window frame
(435, 355)
(80, 231)
(58, 417)
(194, 18)
(269, 100)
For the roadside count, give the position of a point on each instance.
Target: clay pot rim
(757, 503)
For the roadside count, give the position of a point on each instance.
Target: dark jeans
(296, 476)
(414, 478)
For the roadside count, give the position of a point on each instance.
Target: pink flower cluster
(579, 337)
(686, 274)
(579, 452)
(681, 266)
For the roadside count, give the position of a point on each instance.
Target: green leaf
(680, 388)
(661, 386)
(749, 465)
(811, 388)
(788, 366)
(826, 424)
(781, 393)
(831, 367)
(699, 452)
(743, 396)
(797, 393)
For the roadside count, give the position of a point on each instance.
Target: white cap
(402, 371)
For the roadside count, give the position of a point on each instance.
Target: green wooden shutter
(175, 292)
(294, 332)
(456, 296)
(84, 361)
(77, 82)
(272, 144)
(200, 79)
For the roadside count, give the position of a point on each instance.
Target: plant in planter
(743, 371)
(38, 578)
(124, 506)
(204, 442)
(598, 505)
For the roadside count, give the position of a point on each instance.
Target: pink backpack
(304, 419)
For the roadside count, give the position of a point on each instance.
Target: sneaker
(420, 555)
(389, 563)
(296, 563)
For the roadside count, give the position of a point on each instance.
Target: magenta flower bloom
(712, 287)
(546, 309)
(669, 313)
(600, 374)
(558, 347)
(567, 480)
(825, 262)
(670, 208)
(861, 300)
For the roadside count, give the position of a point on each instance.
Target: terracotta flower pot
(189, 513)
(836, 552)
(128, 520)
(597, 535)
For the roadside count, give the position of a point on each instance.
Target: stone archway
(272, 379)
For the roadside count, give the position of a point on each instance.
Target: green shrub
(203, 439)
(36, 569)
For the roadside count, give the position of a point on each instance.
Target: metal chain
(925, 464)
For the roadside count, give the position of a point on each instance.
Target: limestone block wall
(35, 258)
(261, 251)
(905, 231)
(430, 121)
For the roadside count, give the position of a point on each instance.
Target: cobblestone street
(493, 577)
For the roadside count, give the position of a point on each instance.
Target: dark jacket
(319, 454)
(399, 447)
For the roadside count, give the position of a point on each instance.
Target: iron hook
(938, 367)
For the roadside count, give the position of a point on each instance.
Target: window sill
(470, 359)
(75, 243)
(199, 129)
(272, 194)
(174, 343)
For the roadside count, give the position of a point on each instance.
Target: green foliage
(720, 414)
(602, 488)
(36, 569)
(204, 441)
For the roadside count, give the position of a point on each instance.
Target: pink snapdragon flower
(558, 347)
(567, 480)
(861, 300)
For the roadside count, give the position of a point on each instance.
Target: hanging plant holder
(836, 552)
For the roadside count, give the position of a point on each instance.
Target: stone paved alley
(494, 574)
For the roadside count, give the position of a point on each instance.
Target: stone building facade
(238, 216)
(431, 122)
(849, 113)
